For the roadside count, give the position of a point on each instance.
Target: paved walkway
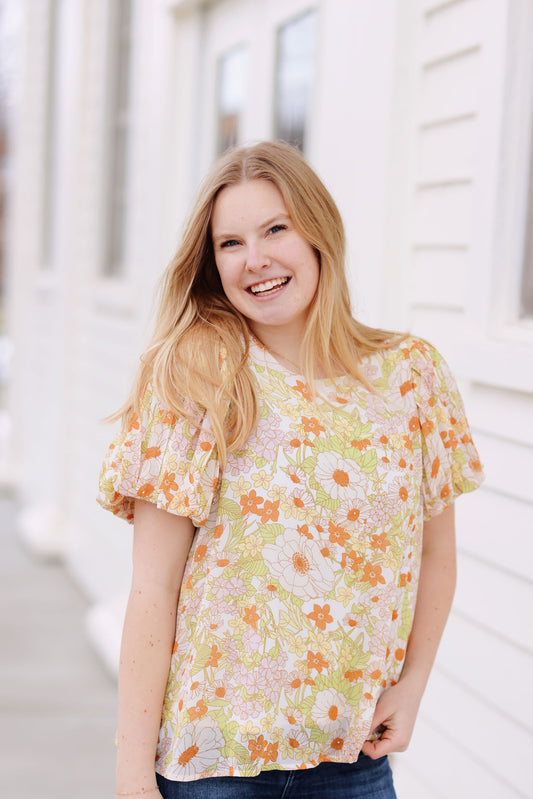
(57, 703)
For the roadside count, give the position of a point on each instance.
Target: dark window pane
(294, 78)
(231, 97)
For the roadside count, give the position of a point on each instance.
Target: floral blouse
(300, 585)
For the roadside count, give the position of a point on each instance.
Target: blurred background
(418, 116)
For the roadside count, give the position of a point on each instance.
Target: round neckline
(271, 361)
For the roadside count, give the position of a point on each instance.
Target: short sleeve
(161, 459)
(451, 464)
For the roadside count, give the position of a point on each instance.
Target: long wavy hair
(199, 347)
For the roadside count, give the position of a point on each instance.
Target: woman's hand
(395, 713)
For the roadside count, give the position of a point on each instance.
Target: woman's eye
(229, 243)
(277, 228)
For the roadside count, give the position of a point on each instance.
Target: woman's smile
(269, 288)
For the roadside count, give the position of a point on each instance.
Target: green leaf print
(317, 735)
(369, 461)
(229, 508)
(203, 653)
(306, 705)
(326, 501)
(255, 567)
(407, 616)
(235, 749)
(269, 532)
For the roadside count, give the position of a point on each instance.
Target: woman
(291, 475)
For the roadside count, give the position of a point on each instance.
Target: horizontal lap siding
(473, 734)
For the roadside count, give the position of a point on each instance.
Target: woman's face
(269, 272)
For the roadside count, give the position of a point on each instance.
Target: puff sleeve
(161, 459)
(451, 464)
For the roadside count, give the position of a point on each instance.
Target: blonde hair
(198, 352)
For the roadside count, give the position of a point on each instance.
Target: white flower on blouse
(339, 477)
(198, 749)
(299, 565)
(331, 711)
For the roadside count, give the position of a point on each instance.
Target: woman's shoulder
(418, 351)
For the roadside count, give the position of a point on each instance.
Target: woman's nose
(256, 258)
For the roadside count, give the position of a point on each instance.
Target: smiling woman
(291, 476)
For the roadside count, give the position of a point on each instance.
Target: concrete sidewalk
(57, 704)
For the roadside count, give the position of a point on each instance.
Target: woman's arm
(161, 544)
(397, 707)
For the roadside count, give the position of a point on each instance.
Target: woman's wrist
(139, 792)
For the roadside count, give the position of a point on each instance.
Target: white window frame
(499, 351)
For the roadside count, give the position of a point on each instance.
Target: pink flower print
(237, 466)
(234, 587)
(251, 640)
(266, 441)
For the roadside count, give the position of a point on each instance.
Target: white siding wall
(474, 733)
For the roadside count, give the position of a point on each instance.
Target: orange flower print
(353, 676)
(271, 753)
(251, 616)
(321, 616)
(406, 387)
(169, 485)
(167, 417)
(257, 747)
(351, 561)
(435, 466)
(312, 425)
(414, 424)
(337, 534)
(270, 511)
(372, 574)
(152, 452)
(199, 710)
(134, 422)
(200, 552)
(214, 657)
(146, 490)
(362, 444)
(337, 743)
(260, 748)
(250, 502)
(316, 661)
(450, 440)
(427, 427)
(303, 389)
(380, 542)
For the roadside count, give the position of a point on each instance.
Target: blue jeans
(366, 779)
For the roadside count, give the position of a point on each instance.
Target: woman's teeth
(268, 285)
